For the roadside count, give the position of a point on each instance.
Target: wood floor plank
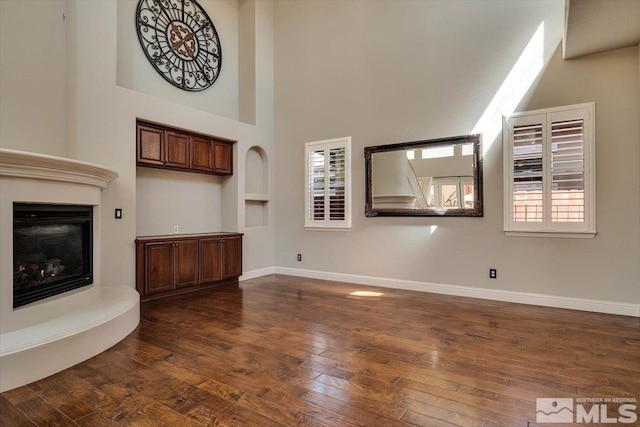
(10, 415)
(95, 419)
(284, 351)
(61, 399)
(356, 413)
(35, 408)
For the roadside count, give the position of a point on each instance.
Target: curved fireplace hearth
(50, 215)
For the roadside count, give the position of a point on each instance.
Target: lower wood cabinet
(220, 258)
(168, 265)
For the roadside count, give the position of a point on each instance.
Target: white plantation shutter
(327, 202)
(337, 193)
(567, 171)
(550, 172)
(317, 174)
(527, 202)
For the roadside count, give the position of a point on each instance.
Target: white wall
(392, 71)
(33, 55)
(135, 72)
(166, 198)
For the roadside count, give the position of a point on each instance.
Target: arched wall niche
(256, 171)
(256, 199)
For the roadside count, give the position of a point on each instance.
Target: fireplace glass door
(52, 250)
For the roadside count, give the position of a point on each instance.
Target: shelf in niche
(256, 213)
(257, 197)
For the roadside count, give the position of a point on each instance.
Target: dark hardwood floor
(284, 351)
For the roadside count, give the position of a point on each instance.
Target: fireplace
(51, 213)
(52, 250)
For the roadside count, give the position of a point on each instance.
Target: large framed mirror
(437, 177)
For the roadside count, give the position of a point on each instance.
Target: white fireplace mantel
(40, 166)
(47, 336)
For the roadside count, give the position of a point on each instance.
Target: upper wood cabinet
(150, 146)
(177, 149)
(163, 147)
(222, 157)
(201, 154)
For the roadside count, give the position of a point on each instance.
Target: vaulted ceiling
(593, 26)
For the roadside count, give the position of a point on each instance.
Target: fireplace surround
(43, 337)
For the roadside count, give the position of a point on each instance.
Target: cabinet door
(177, 149)
(201, 154)
(158, 267)
(210, 261)
(232, 257)
(222, 159)
(150, 145)
(185, 255)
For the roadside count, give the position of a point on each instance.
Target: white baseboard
(597, 306)
(257, 273)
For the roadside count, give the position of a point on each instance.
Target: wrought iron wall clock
(180, 41)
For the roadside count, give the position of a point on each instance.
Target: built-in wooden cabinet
(163, 147)
(150, 145)
(232, 257)
(185, 258)
(220, 258)
(201, 154)
(222, 157)
(177, 149)
(168, 265)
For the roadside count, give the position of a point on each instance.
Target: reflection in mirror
(436, 177)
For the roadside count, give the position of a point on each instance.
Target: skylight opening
(437, 152)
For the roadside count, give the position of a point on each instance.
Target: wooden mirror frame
(476, 211)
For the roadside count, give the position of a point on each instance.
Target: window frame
(328, 224)
(459, 183)
(546, 117)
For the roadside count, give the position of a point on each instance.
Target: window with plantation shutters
(549, 172)
(327, 182)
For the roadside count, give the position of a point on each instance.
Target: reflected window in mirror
(441, 177)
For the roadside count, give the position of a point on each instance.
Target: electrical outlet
(493, 273)
(176, 229)
(299, 257)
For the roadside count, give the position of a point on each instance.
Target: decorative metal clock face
(180, 41)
